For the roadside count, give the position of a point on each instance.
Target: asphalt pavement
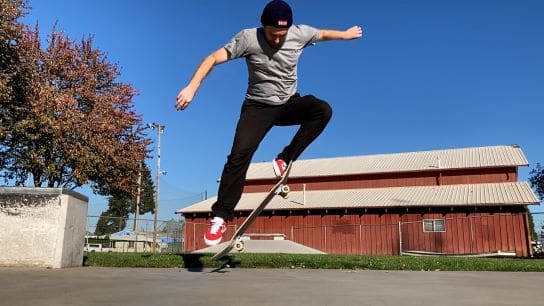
(235, 286)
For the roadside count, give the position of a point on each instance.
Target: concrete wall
(42, 227)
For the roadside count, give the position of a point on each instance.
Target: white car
(95, 247)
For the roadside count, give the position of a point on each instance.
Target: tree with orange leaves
(68, 121)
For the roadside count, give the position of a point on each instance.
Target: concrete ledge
(42, 227)
(43, 191)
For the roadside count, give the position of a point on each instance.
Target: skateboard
(282, 189)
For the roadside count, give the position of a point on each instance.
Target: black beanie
(277, 13)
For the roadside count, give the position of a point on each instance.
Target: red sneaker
(215, 231)
(280, 166)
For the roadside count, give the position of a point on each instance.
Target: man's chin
(276, 46)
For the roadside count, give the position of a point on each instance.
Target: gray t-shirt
(272, 72)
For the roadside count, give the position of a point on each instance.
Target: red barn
(457, 201)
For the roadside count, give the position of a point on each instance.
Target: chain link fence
(128, 235)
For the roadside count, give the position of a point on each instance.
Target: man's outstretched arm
(185, 96)
(351, 33)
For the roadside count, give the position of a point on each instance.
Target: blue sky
(426, 75)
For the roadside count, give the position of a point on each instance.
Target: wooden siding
(376, 232)
(428, 178)
(477, 233)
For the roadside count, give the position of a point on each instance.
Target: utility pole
(160, 130)
(137, 214)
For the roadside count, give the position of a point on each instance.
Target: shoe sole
(212, 242)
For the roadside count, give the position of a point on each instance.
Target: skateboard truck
(284, 191)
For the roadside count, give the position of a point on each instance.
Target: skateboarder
(271, 53)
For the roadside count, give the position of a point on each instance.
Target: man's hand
(185, 96)
(353, 32)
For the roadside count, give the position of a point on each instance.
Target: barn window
(434, 225)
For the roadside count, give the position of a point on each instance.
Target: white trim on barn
(464, 158)
(495, 194)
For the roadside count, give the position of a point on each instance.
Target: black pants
(256, 119)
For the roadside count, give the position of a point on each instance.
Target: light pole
(137, 213)
(160, 130)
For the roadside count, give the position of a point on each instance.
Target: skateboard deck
(282, 189)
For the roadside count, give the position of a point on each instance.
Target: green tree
(147, 193)
(537, 180)
(121, 205)
(107, 224)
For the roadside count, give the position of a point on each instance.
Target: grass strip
(296, 261)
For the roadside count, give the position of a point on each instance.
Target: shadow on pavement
(193, 263)
(228, 262)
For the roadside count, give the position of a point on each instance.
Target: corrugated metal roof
(511, 193)
(481, 157)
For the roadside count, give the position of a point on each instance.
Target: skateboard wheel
(239, 246)
(284, 191)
